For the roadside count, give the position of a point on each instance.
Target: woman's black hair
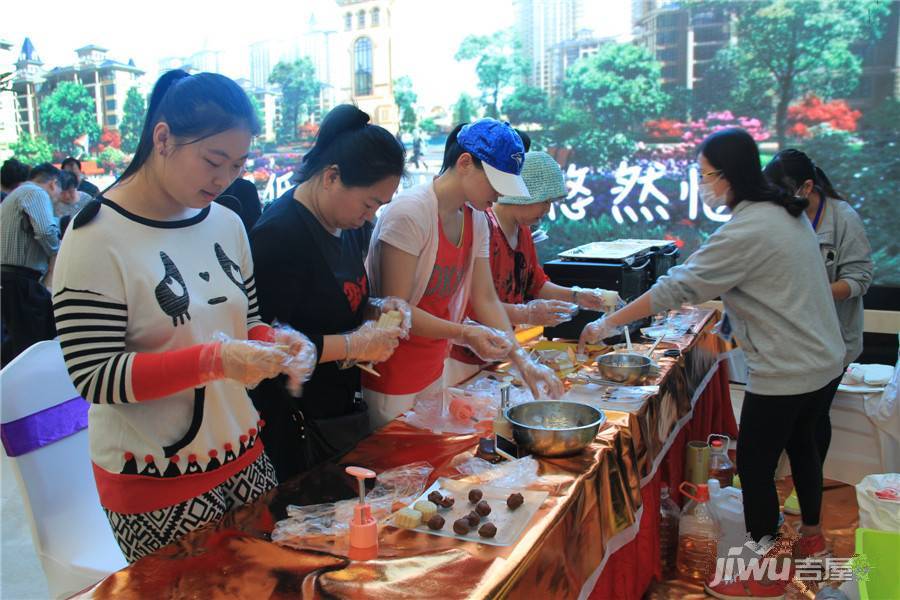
(452, 150)
(194, 107)
(364, 154)
(67, 180)
(526, 139)
(734, 153)
(790, 168)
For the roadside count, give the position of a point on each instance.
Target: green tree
(299, 95)
(258, 110)
(731, 83)
(32, 150)
(805, 46)
(429, 126)
(464, 110)
(68, 113)
(609, 96)
(497, 65)
(132, 120)
(528, 104)
(406, 98)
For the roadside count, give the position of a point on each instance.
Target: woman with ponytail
(308, 249)
(845, 250)
(430, 247)
(766, 267)
(155, 305)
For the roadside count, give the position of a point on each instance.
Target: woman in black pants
(766, 266)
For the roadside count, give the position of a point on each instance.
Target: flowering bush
(110, 138)
(696, 131)
(812, 111)
(661, 129)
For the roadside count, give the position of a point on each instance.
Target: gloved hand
(542, 312)
(379, 306)
(368, 343)
(487, 343)
(301, 360)
(245, 361)
(605, 301)
(536, 376)
(596, 331)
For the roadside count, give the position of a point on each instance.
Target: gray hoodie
(767, 268)
(848, 257)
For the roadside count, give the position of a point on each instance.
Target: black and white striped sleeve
(91, 329)
(253, 316)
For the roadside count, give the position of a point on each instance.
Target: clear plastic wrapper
(486, 343)
(393, 487)
(597, 299)
(517, 474)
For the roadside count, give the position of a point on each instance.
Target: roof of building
(28, 53)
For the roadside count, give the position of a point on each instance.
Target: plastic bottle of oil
(720, 466)
(669, 515)
(698, 535)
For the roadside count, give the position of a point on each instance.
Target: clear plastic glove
(487, 343)
(536, 376)
(597, 299)
(596, 331)
(371, 344)
(301, 357)
(542, 312)
(245, 361)
(379, 306)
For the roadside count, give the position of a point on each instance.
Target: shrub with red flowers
(812, 111)
(110, 138)
(662, 129)
(696, 131)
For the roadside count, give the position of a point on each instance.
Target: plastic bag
(400, 485)
(878, 497)
(510, 474)
(301, 360)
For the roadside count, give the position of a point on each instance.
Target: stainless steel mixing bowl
(624, 368)
(548, 428)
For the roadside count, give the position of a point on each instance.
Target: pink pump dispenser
(363, 528)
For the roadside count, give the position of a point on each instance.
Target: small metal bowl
(549, 428)
(624, 368)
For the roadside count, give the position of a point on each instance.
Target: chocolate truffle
(514, 501)
(461, 526)
(435, 497)
(488, 530)
(483, 508)
(475, 495)
(473, 518)
(436, 522)
(448, 501)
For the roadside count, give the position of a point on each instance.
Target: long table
(599, 519)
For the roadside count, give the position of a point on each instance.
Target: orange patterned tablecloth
(593, 509)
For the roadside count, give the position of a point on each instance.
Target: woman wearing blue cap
(528, 295)
(430, 247)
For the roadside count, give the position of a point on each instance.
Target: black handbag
(323, 440)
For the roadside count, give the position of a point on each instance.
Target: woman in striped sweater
(156, 309)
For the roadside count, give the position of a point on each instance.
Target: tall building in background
(683, 40)
(28, 78)
(8, 133)
(363, 60)
(563, 55)
(541, 26)
(880, 77)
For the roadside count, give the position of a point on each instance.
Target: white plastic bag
(878, 497)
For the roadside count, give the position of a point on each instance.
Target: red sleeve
(160, 374)
(538, 277)
(261, 333)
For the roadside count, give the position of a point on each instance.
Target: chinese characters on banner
(648, 202)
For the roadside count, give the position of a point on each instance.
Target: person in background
(70, 199)
(73, 165)
(308, 248)
(766, 266)
(30, 239)
(430, 247)
(12, 174)
(528, 295)
(847, 255)
(155, 301)
(243, 198)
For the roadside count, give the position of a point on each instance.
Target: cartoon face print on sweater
(172, 293)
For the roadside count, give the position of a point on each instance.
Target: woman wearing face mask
(430, 247)
(308, 249)
(156, 311)
(848, 261)
(528, 296)
(766, 266)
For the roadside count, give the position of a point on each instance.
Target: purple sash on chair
(44, 427)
